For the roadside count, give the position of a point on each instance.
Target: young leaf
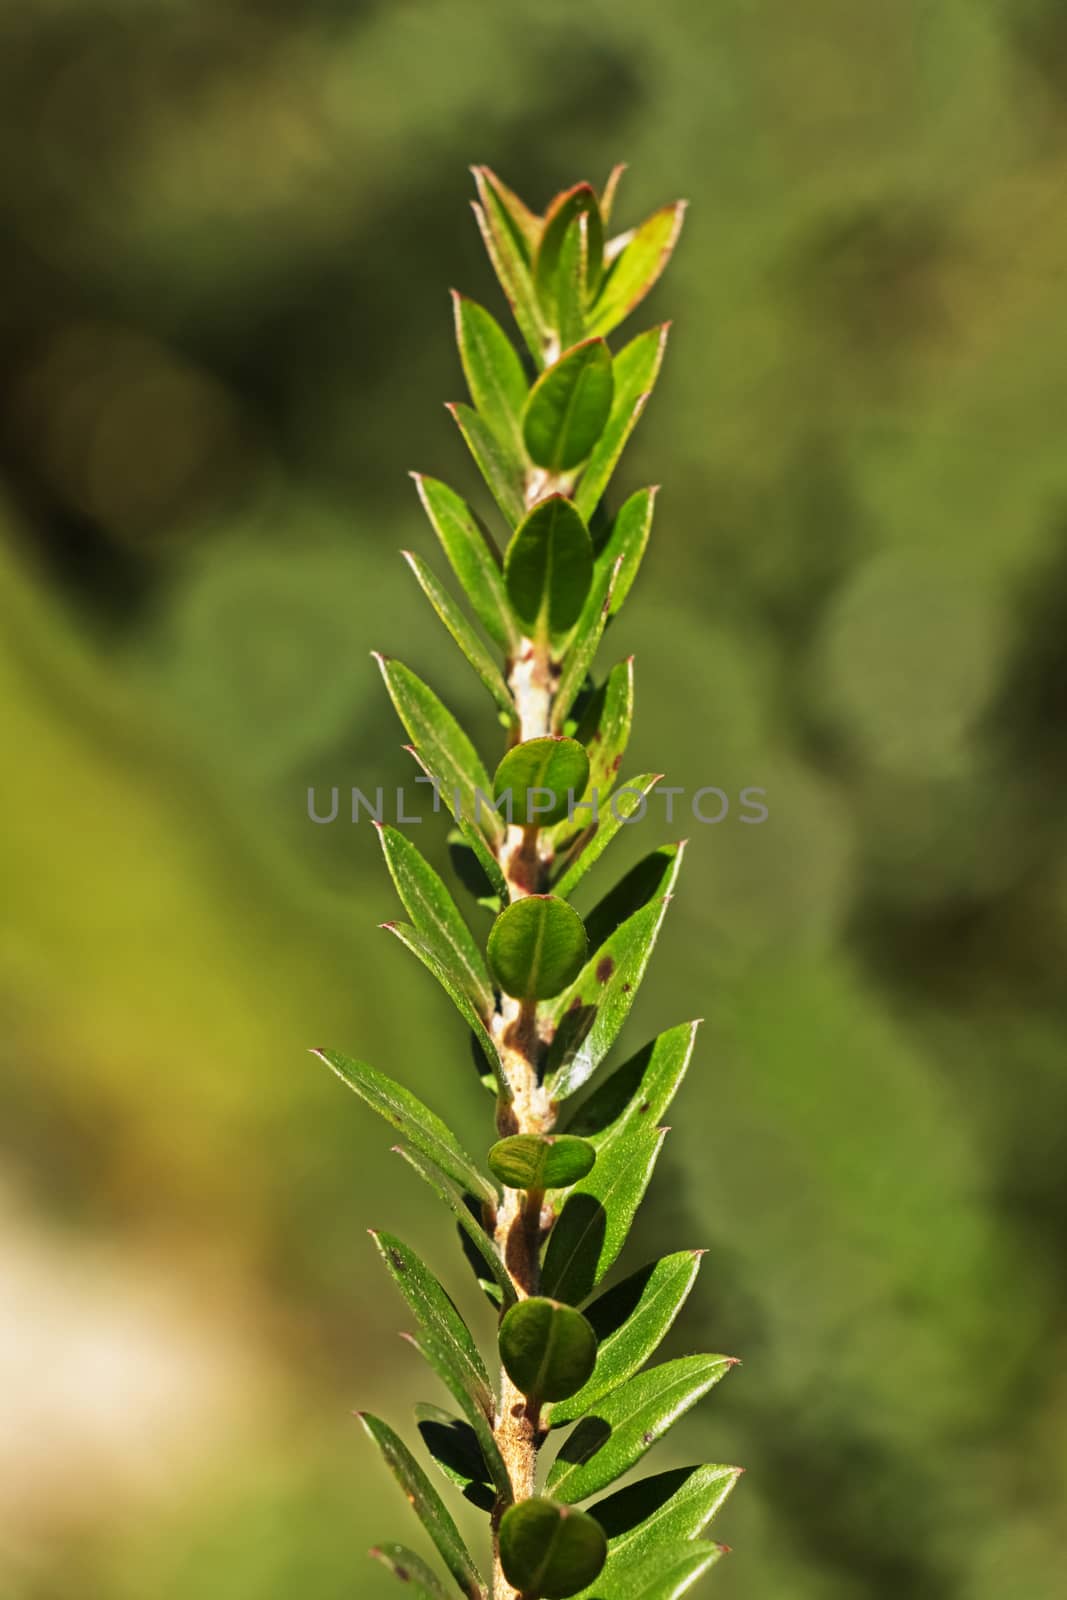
(418, 1124)
(548, 1349)
(493, 371)
(587, 636)
(609, 191)
(565, 208)
(454, 1200)
(549, 1550)
(549, 567)
(441, 742)
(508, 247)
(604, 729)
(454, 1446)
(662, 1510)
(635, 370)
(435, 1310)
(536, 946)
(596, 1218)
(436, 916)
(441, 965)
(629, 1322)
(541, 1160)
(427, 1505)
(542, 775)
(420, 1582)
(569, 406)
(628, 1422)
(636, 260)
(571, 278)
(590, 1014)
(525, 224)
(584, 851)
(639, 1092)
(460, 629)
(473, 557)
(667, 1573)
(625, 545)
(496, 463)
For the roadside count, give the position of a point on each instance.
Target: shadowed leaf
(453, 1198)
(612, 814)
(596, 1217)
(548, 1349)
(549, 567)
(454, 1446)
(638, 1092)
(549, 1550)
(569, 406)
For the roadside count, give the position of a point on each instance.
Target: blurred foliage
(229, 235)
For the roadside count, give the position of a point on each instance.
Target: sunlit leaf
(571, 280)
(497, 464)
(636, 260)
(610, 190)
(626, 544)
(596, 1217)
(639, 1091)
(549, 1550)
(541, 1160)
(549, 567)
(434, 1309)
(420, 1582)
(569, 406)
(462, 632)
(666, 1573)
(444, 970)
(504, 233)
(547, 1348)
(536, 946)
(634, 373)
(493, 371)
(437, 917)
(662, 1510)
(587, 636)
(563, 211)
(542, 775)
(525, 224)
(613, 813)
(472, 555)
(453, 1198)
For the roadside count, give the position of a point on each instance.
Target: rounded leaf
(548, 1349)
(557, 767)
(550, 1551)
(537, 946)
(541, 1160)
(568, 407)
(548, 568)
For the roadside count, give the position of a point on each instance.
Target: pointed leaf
(628, 1422)
(496, 463)
(583, 852)
(420, 1581)
(427, 1505)
(662, 1510)
(493, 371)
(587, 636)
(590, 1014)
(453, 1199)
(548, 1349)
(647, 879)
(432, 959)
(634, 371)
(437, 1357)
(526, 224)
(460, 629)
(629, 1322)
(506, 242)
(418, 1124)
(596, 1217)
(445, 748)
(637, 259)
(541, 1160)
(549, 567)
(437, 917)
(571, 278)
(454, 1446)
(639, 1092)
(473, 557)
(610, 190)
(548, 1550)
(542, 775)
(666, 1573)
(605, 725)
(472, 836)
(434, 1309)
(536, 947)
(569, 406)
(626, 544)
(565, 208)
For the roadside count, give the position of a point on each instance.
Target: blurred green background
(229, 232)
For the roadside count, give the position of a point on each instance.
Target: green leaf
(569, 406)
(472, 555)
(493, 371)
(536, 946)
(427, 1505)
(454, 1446)
(662, 1510)
(629, 1421)
(435, 1310)
(422, 1584)
(590, 1013)
(549, 567)
(639, 1092)
(587, 636)
(605, 725)
(596, 1217)
(462, 632)
(609, 191)
(541, 1160)
(548, 1349)
(453, 1199)
(571, 277)
(629, 1322)
(495, 462)
(557, 767)
(647, 879)
(436, 916)
(415, 1121)
(584, 851)
(549, 1550)
(472, 836)
(635, 370)
(565, 208)
(508, 243)
(443, 970)
(525, 224)
(636, 260)
(626, 544)
(667, 1573)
